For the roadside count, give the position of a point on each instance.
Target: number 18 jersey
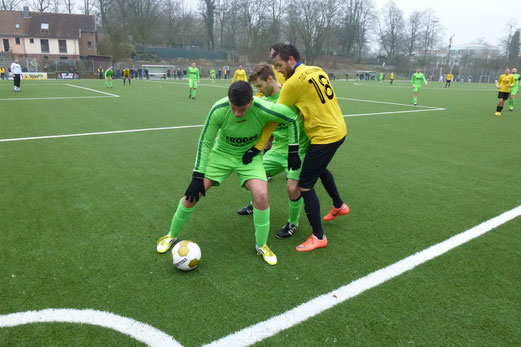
(310, 90)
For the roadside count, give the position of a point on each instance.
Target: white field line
(383, 113)
(186, 84)
(92, 90)
(429, 87)
(58, 98)
(288, 319)
(137, 330)
(384, 102)
(98, 133)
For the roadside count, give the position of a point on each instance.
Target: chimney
(26, 12)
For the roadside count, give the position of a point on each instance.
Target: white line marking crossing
(92, 90)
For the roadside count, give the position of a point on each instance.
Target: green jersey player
(238, 120)
(514, 89)
(193, 80)
(108, 76)
(416, 81)
(212, 75)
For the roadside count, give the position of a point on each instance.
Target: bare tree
(208, 13)
(88, 6)
(9, 5)
(510, 28)
(391, 29)
(55, 6)
(40, 5)
(69, 6)
(430, 33)
(413, 30)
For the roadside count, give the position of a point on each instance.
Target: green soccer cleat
(164, 243)
(267, 254)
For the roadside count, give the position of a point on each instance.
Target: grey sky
(469, 20)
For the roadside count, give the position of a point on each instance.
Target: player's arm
(425, 80)
(499, 82)
(266, 133)
(198, 76)
(234, 76)
(207, 137)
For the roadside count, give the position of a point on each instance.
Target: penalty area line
(288, 319)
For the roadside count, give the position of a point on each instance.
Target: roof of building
(60, 25)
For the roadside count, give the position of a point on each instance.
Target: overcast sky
(469, 20)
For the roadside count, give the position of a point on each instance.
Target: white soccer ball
(186, 255)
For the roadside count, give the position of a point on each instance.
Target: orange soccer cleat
(312, 243)
(337, 212)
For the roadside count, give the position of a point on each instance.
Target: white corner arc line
(92, 90)
(288, 319)
(98, 133)
(393, 112)
(139, 331)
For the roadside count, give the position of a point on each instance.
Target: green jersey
(417, 78)
(212, 73)
(516, 81)
(237, 135)
(280, 135)
(193, 73)
(109, 73)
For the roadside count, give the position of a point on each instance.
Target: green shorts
(416, 89)
(192, 83)
(276, 162)
(513, 91)
(220, 165)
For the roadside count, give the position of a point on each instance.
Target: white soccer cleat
(164, 243)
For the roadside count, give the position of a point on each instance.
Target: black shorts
(503, 95)
(316, 161)
(448, 81)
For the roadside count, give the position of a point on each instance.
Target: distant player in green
(416, 80)
(514, 89)
(237, 122)
(108, 77)
(193, 80)
(212, 75)
(381, 77)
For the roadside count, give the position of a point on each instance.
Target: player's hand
(293, 157)
(249, 154)
(196, 187)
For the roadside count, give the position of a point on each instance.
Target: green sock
(180, 217)
(294, 210)
(261, 222)
(511, 102)
(414, 100)
(107, 83)
(193, 93)
(190, 92)
(110, 84)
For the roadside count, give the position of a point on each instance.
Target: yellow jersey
(126, 73)
(240, 75)
(392, 75)
(505, 82)
(450, 77)
(310, 90)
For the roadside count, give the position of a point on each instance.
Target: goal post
(159, 71)
(484, 78)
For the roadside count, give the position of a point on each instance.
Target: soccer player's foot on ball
(164, 243)
(498, 113)
(245, 210)
(312, 243)
(337, 212)
(267, 254)
(287, 230)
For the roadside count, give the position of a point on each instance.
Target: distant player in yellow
(504, 83)
(126, 76)
(240, 75)
(392, 77)
(450, 76)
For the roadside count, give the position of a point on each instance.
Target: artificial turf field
(80, 216)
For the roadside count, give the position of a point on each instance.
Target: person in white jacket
(16, 71)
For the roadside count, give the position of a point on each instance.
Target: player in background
(514, 89)
(108, 76)
(126, 75)
(193, 80)
(239, 75)
(308, 88)
(275, 160)
(212, 75)
(238, 120)
(450, 76)
(16, 71)
(416, 80)
(392, 78)
(504, 83)
(100, 72)
(381, 78)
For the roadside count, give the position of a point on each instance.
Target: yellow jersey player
(126, 76)
(240, 75)
(504, 83)
(450, 76)
(309, 88)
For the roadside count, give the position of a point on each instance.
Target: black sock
(328, 181)
(498, 109)
(312, 208)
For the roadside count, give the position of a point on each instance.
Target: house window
(44, 26)
(45, 57)
(17, 40)
(17, 26)
(6, 45)
(64, 58)
(31, 41)
(89, 44)
(62, 44)
(44, 43)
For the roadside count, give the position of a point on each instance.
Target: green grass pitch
(80, 216)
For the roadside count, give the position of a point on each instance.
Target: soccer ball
(186, 255)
